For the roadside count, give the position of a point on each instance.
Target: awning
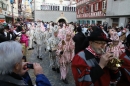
(2, 20)
(2, 16)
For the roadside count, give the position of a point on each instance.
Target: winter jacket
(16, 80)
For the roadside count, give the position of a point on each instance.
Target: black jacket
(3, 38)
(85, 43)
(78, 39)
(12, 80)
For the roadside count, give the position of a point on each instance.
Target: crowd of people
(98, 55)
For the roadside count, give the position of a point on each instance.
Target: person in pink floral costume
(65, 53)
(116, 45)
(62, 32)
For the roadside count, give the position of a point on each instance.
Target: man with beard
(89, 67)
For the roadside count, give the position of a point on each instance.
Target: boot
(30, 49)
(53, 69)
(58, 70)
(65, 81)
(38, 57)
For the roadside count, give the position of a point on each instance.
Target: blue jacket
(41, 80)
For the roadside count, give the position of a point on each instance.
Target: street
(53, 76)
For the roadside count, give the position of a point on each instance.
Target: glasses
(103, 43)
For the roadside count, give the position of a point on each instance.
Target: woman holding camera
(12, 68)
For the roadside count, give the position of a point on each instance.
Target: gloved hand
(35, 42)
(61, 52)
(50, 50)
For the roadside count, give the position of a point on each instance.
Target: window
(41, 7)
(104, 5)
(65, 8)
(70, 9)
(53, 8)
(78, 11)
(115, 22)
(0, 5)
(74, 8)
(82, 10)
(97, 7)
(4, 6)
(91, 8)
(58, 8)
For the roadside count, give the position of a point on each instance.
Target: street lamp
(12, 2)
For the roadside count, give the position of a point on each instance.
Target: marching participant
(31, 36)
(47, 34)
(115, 46)
(38, 40)
(65, 53)
(52, 45)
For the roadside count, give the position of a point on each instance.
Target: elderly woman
(12, 67)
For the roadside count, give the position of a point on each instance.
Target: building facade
(118, 12)
(9, 11)
(55, 10)
(91, 11)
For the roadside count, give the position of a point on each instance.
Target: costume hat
(98, 35)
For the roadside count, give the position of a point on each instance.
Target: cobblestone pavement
(53, 77)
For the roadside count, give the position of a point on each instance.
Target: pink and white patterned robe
(116, 49)
(66, 58)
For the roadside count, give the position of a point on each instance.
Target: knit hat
(98, 35)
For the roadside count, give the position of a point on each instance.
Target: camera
(30, 66)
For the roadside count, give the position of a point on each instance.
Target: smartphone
(30, 66)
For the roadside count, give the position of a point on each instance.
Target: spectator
(78, 39)
(12, 67)
(26, 76)
(2, 35)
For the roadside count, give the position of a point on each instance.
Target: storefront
(2, 18)
(8, 19)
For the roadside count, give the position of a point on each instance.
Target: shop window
(115, 22)
(93, 22)
(88, 21)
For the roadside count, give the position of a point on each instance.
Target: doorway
(61, 21)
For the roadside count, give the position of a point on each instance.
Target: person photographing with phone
(12, 68)
(89, 67)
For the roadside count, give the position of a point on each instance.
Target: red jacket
(87, 72)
